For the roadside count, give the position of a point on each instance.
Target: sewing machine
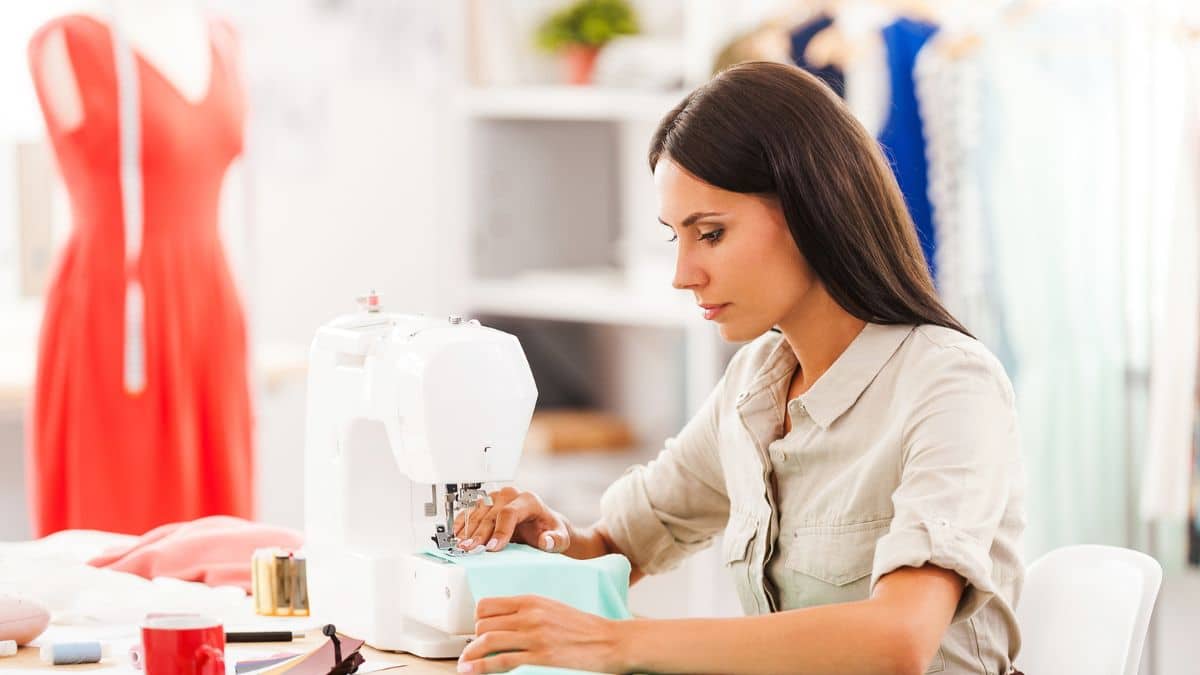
(408, 416)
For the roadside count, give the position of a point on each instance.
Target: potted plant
(581, 29)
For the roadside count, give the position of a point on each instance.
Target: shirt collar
(849, 376)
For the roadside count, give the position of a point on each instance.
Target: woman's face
(734, 253)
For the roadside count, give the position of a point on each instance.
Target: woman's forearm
(593, 542)
(858, 637)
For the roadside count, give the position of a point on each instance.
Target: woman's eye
(711, 237)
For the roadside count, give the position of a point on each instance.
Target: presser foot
(447, 543)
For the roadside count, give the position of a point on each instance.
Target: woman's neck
(818, 332)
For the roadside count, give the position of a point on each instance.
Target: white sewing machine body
(402, 410)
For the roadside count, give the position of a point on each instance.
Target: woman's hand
(529, 629)
(513, 516)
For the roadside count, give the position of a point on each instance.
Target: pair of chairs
(1085, 610)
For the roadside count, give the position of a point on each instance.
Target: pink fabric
(215, 550)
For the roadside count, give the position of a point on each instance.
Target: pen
(262, 636)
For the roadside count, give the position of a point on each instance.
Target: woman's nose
(687, 274)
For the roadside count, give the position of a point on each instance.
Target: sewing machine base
(401, 602)
(418, 640)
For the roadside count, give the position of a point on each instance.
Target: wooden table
(27, 659)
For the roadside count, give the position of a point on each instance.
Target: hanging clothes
(901, 137)
(801, 37)
(1172, 146)
(1105, 219)
(177, 445)
(1049, 167)
(948, 93)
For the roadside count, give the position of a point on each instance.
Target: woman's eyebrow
(693, 218)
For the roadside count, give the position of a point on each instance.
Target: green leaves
(587, 22)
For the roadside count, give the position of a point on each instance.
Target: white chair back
(1084, 610)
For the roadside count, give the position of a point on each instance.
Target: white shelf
(567, 103)
(592, 296)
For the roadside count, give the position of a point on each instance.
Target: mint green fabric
(599, 586)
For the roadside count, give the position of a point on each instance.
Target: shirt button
(942, 522)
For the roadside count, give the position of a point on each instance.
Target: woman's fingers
(553, 541)
(498, 623)
(483, 534)
(472, 519)
(512, 514)
(500, 663)
(501, 606)
(493, 642)
(529, 629)
(467, 522)
(460, 522)
(524, 508)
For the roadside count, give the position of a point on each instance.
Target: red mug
(181, 644)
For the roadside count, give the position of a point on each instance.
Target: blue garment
(831, 75)
(901, 138)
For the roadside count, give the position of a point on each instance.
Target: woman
(860, 454)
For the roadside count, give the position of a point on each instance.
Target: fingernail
(464, 667)
(547, 542)
(466, 543)
(491, 545)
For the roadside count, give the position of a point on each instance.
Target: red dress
(99, 457)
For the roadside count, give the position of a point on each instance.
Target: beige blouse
(904, 452)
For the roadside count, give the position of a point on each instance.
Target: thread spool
(299, 578)
(279, 582)
(71, 653)
(262, 579)
(283, 585)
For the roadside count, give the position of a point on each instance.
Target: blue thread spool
(70, 653)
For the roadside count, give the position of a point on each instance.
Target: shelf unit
(592, 296)
(557, 222)
(550, 102)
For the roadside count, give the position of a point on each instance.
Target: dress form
(145, 112)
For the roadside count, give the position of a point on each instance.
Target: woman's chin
(735, 332)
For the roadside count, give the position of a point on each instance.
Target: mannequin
(141, 380)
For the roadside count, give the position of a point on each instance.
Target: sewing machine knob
(370, 302)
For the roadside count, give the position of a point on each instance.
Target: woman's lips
(712, 311)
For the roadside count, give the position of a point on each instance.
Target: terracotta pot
(578, 63)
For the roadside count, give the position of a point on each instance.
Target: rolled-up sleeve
(960, 458)
(661, 512)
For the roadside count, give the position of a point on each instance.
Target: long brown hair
(769, 128)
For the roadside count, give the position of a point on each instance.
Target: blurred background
(487, 158)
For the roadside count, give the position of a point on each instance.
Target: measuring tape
(129, 135)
